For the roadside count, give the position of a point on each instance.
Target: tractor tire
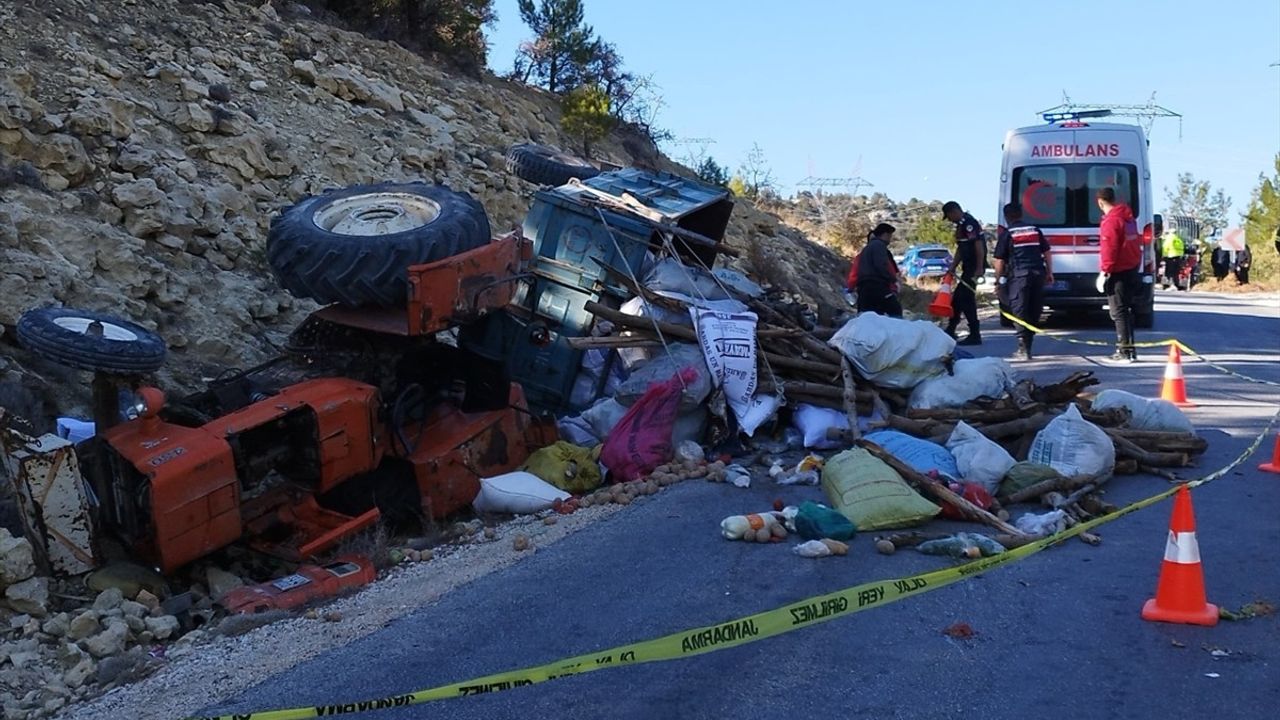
(543, 165)
(353, 246)
(69, 337)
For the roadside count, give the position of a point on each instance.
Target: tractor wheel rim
(82, 325)
(376, 214)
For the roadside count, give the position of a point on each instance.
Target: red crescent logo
(1028, 199)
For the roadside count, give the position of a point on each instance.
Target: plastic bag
(738, 476)
(1073, 446)
(664, 366)
(1146, 414)
(868, 492)
(517, 492)
(922, 455)
(639, 307)
(669, 275)
(973, 492)
(814, 521)
(813, 423)
(979, 459)
(1043, 525)
(892, 352)
(641, 441)
(738, 284)
(962, 545)
(973, 379)
(567, 466)
(821, 548)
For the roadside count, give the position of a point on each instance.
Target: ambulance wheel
(91, 341)
(543, 165)
(354, 246)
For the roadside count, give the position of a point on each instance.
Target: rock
(351, 85)
(135, 159)
(231, 123)
(332, 616)
(135, 623)
(148, 601)
(80, 674)
(520, 543)
(163, 627)
(220, 582)
(192, 90)
(108, 642)
(21, 660)
(83, 625)
(17, 622)
(127, 667)
(192, 117)
(137, 194)
(30, 596)
(304, 69)
(258, 85)
(109, 599)
(16, 560)
(129, 578)
(131, 608)
(220, 92)
(97, 115)
(57, 625)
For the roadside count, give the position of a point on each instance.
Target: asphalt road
(1058, 634)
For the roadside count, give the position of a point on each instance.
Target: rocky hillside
(146, 144)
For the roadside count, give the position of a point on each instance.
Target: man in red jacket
(1121, 262)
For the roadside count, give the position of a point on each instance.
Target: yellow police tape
(739, 631)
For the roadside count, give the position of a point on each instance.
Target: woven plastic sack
(641, 441)
(973, 379)
(1074, 446)
(892, 352)
(922, 455)
(980, 459)
(1145, 414)
(868, 492)
(1023, 475)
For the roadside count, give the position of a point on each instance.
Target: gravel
(227, 665)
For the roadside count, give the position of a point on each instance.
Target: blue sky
(916, 96)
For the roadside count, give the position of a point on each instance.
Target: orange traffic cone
(1274, 465)
(1180, 591)
(1175, 385)
(941, 305)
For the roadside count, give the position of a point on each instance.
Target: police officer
(971, 257)
(1173, 249)
(1023, 265)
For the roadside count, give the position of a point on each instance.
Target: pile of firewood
(808, 370)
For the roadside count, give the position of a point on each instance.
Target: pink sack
(641, 441)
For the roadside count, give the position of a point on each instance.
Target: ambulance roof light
(1052, 117)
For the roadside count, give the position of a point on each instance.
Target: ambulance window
(1042, 192)
(1112, 176)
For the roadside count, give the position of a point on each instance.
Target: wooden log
(912, 539)
(937, 490)
(1127, 448)
(613, 342)
(850, 399)
(969, 415)
(686, 333)
(1162, 441)
(1126, 466)
(1056, 484)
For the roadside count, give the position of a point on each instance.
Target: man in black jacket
(877, 281)
(971, 258)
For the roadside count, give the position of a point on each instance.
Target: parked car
(922, 261)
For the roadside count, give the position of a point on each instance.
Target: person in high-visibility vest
(1172, 248)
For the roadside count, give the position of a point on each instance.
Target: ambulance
(1054, 172)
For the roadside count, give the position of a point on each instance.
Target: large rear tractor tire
(543, 165)
(354, 246)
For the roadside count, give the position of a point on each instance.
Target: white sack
(978, 458)
(1147, 414)
(1073, 446)
(813, 423)
(973, 379)
(517, 492)
(891, 352)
